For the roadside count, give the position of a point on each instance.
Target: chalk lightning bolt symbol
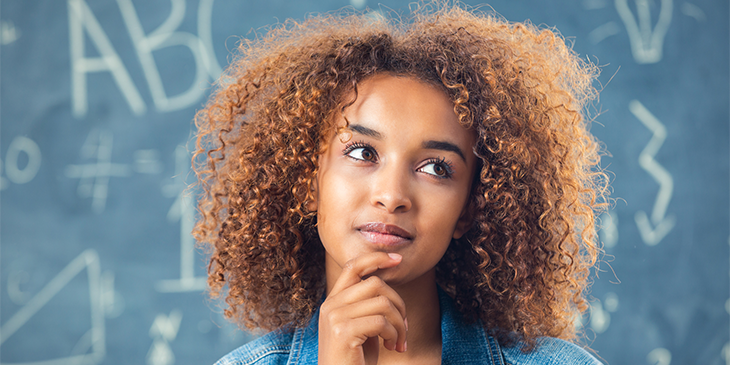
(662, 224)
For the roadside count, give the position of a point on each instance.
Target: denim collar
(462, 342)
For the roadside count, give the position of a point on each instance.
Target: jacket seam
(493, 346)
(296, 346)
(279, 349)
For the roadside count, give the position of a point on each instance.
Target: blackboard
(97, 99)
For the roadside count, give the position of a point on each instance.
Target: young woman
(418, 191)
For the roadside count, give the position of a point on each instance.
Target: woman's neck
(424, 323)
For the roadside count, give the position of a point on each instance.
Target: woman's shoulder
(549, 351)
(270, 349)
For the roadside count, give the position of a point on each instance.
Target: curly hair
(522, 269)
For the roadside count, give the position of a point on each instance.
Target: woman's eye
(362, 153)
(440, 169)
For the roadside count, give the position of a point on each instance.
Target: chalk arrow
(661, 224)
(646, 43)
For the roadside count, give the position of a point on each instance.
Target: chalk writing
(81, 18)
(600, 319)
(94, 177)
(111, 301)
(610, 302)
(693, 11)
(600, 314)
(147, 162)
(659, 356)
(166, 36)
(609, 229)
(594, 4)
(163, 331)
(205, 16)
(646, 43)
(604, 31)
(8, 32)
(91, 347)
(662, 224)
(182, 210)
(13, 170)
(359, 4)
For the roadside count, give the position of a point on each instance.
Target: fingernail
(395, 256)
(405, 346)
(406, 323)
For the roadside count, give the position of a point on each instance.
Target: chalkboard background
(96, 105)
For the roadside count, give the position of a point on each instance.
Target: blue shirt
(462, 343)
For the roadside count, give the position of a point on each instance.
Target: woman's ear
(464, 223)
(312, 204)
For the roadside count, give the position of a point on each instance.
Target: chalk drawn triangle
(90, 348)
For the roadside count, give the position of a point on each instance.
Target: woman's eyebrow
(444, 146)
(365, 131)
(431, 145)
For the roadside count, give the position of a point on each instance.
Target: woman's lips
(385, 234)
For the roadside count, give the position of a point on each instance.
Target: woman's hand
(357, 311)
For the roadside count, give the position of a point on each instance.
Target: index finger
(355, 269)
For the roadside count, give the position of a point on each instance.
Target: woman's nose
(391, 190)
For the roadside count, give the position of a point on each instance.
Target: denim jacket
(462, 343)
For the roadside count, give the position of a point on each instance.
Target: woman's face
(397, 179)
